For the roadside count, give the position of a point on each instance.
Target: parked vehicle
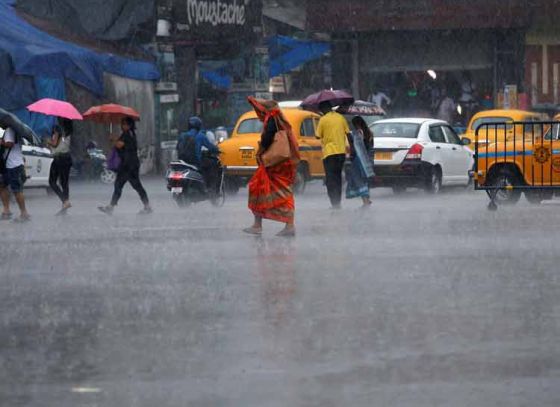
(38, 162)
(501, 132)
(239, 151)
(506, 168)
(421, 153)
(187, 185)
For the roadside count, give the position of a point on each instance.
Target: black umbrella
(21, 129)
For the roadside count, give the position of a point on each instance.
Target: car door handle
(438, 148)
(454, 148)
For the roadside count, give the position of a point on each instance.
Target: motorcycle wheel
(107, 176)
(220, 200)
(181, 200)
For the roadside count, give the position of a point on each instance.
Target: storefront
(412, 51)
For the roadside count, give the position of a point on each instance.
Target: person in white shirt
(12, 175)
(446, 108)
(378, 98)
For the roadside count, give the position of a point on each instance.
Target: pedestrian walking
(129, 168)
(446, 107)
(333, 131)
(12, 174)
(271, 193)
(59, 176)
(359, 168)
(379, 98)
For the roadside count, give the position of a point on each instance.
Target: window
(553, 133)
(436, 134)
(396, 130)
(250, 126)
(451, 136)
(485, 120)
(307, 128)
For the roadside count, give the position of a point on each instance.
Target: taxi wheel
(301, 180)
(398, 189)
(231, 185)
(536, 197)
(503, 196)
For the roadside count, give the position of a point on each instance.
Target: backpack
(186, 148)
(3, 160)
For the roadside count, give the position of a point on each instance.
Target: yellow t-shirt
(332, 131)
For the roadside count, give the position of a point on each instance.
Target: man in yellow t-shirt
(333, 131)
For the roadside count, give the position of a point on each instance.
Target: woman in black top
(129, 169)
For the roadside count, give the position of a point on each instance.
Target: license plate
(383, 156)
(177, 190)
(247, 154)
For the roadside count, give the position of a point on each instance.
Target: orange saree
(271, 193)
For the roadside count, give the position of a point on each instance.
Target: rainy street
(419, 301)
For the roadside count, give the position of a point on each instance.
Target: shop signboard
(219, 22)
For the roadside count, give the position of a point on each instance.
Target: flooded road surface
(419, 301)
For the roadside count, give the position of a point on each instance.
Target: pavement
(418, 301)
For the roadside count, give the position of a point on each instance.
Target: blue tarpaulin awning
(35, 64)
(287, 54)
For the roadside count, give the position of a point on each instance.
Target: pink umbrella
(53, 107)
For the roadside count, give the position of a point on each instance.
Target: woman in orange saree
(271, 193)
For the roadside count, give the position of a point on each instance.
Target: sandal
(108, 210)
(286, 233)
(146, 211)
(6, 216)
(253, 231)
(22, 219)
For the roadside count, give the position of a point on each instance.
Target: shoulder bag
(278, 152)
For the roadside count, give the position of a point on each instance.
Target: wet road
(419, 301)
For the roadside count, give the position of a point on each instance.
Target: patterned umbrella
(335, 97)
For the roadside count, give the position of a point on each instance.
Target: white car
(420, 153)
(38, 162)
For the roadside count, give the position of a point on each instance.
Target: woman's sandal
(6, 216)
(253, 231)
(286, 233)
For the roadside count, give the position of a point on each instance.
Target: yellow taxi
(528, 164)
(239, 151)
(491, 133)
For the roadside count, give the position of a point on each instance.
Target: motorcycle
(187, 185)
(93, 166)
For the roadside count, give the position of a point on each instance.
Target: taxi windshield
(250, 126)
(553, 133)
(492, 119)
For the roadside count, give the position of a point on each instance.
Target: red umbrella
(336, 97)
(53, 107)
(110, 113)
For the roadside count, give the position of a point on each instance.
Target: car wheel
(503, 180)
(433, 182)
(108, 176)
(399, 189)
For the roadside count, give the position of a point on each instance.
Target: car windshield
(397, 130)
(492, 119)
(250, 126)
(370, 120)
